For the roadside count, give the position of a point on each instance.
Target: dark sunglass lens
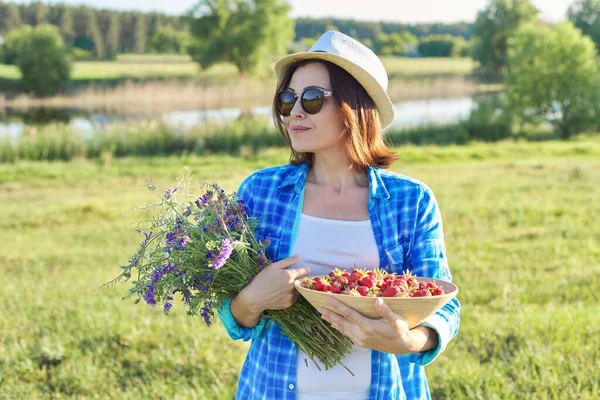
(286, 103)
(312, 101)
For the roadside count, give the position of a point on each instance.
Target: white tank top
(324, 244)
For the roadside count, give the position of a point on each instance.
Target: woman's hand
(389, 334)
(273, 288)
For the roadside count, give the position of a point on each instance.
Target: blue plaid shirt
(408, 231)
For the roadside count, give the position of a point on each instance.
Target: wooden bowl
(413, 309)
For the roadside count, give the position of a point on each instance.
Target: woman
(334, 205)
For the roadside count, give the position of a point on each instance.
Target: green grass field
(523, 240)
(162, 67)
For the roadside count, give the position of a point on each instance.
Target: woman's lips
(299, 129)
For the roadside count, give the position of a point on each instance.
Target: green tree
(34, 13)
(494, 25)
(40, 12)
(243, 32)
(585, 14)
(10, 17)
(66, 26)
(88, 36)
(12, 42)
(140, 33)
(42, 58)
(440, 46)
(112, 36)
(387, 45)
(168, 40)
(126, 35)
(554, 77)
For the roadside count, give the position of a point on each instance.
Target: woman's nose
(297, 110)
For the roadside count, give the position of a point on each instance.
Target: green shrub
(554, 77)
(42, 57)
(489, 121)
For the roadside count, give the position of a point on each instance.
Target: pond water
(408, 114)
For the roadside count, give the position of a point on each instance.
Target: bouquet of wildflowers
(204, 251)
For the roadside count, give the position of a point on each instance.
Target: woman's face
(319, 133)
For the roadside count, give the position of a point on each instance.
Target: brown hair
(365, 143)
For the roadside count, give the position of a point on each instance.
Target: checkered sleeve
(427, 257)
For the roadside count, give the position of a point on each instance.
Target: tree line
(103, 34)
(367, 30)
(99, 32)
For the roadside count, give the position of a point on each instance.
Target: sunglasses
(311, 100)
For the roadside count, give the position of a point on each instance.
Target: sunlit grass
(521, 233)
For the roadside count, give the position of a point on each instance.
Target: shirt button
(291, 386)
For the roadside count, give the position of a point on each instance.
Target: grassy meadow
(523, 241)
(167, 66)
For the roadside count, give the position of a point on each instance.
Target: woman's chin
(302, 148)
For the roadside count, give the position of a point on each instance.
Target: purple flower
(167, 306)
(224, 254)
(170, 238)
(201, 201)
(182, 242)
(156, 275)
(207, 311)
(169, 192)
(187, 296)
(176, 239)
(149, 296)
(133, 260)
(159, 272)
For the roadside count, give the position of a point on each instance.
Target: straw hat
(354, 57)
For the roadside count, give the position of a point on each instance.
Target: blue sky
(386, 10)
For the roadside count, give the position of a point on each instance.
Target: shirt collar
(297, 179)
(377, 188)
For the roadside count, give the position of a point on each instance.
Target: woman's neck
(336, 173)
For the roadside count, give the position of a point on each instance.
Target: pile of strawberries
(372, 283)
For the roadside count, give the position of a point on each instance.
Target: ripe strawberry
(327, 288)
(363, 290)
(391, 291)
(335, 289)
(399, 280)
(342, 281)
(355, 277)
(368, 281)
(438, 291)
(421, 293)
